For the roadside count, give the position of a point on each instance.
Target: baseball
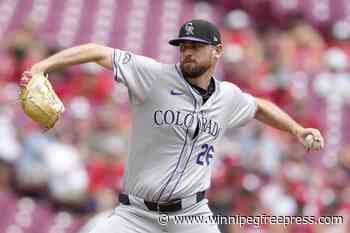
(312, 143)
(309, 140)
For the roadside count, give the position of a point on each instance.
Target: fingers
(23, 82)
(318, 137)
(25, 78)
(318, 141)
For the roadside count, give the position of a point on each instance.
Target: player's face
(196, 58)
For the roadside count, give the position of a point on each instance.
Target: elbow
(258, 108)
(261, 106)
(99, 52)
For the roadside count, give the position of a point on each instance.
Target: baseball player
(180, 112)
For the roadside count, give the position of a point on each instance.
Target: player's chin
(192, 67)
(189, 65)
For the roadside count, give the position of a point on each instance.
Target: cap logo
(189, 29)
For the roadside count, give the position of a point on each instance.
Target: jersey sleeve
(244, 107)
(137, 73)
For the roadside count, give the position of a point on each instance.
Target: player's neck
(202, 81)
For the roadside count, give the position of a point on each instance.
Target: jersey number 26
(207, 152)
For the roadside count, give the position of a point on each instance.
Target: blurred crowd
(74, 171)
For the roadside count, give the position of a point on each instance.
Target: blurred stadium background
(293, 52)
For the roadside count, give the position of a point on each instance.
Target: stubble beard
(193, 71)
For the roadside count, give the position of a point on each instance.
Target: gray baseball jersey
(174, 135)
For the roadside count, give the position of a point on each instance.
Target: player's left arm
(272, 115)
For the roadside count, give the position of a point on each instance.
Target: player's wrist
(297, 130)
(38, 69)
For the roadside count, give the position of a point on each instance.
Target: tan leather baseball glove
(40, 102)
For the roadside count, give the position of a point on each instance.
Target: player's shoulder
(228, 87)
(125, 56)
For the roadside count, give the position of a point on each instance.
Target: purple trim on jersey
(183, 170)
(177, 165)
(178, 161)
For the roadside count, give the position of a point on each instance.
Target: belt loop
(124, 199)
(200, 196)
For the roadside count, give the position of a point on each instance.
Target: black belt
(171, 206)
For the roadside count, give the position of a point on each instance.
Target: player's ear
(218, 51)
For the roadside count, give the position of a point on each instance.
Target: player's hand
(25, 78)
(311, 139)
(27, 75)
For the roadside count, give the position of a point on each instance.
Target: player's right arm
(85, 53)
(137, 73)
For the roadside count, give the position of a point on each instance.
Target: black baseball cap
(198, 30)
